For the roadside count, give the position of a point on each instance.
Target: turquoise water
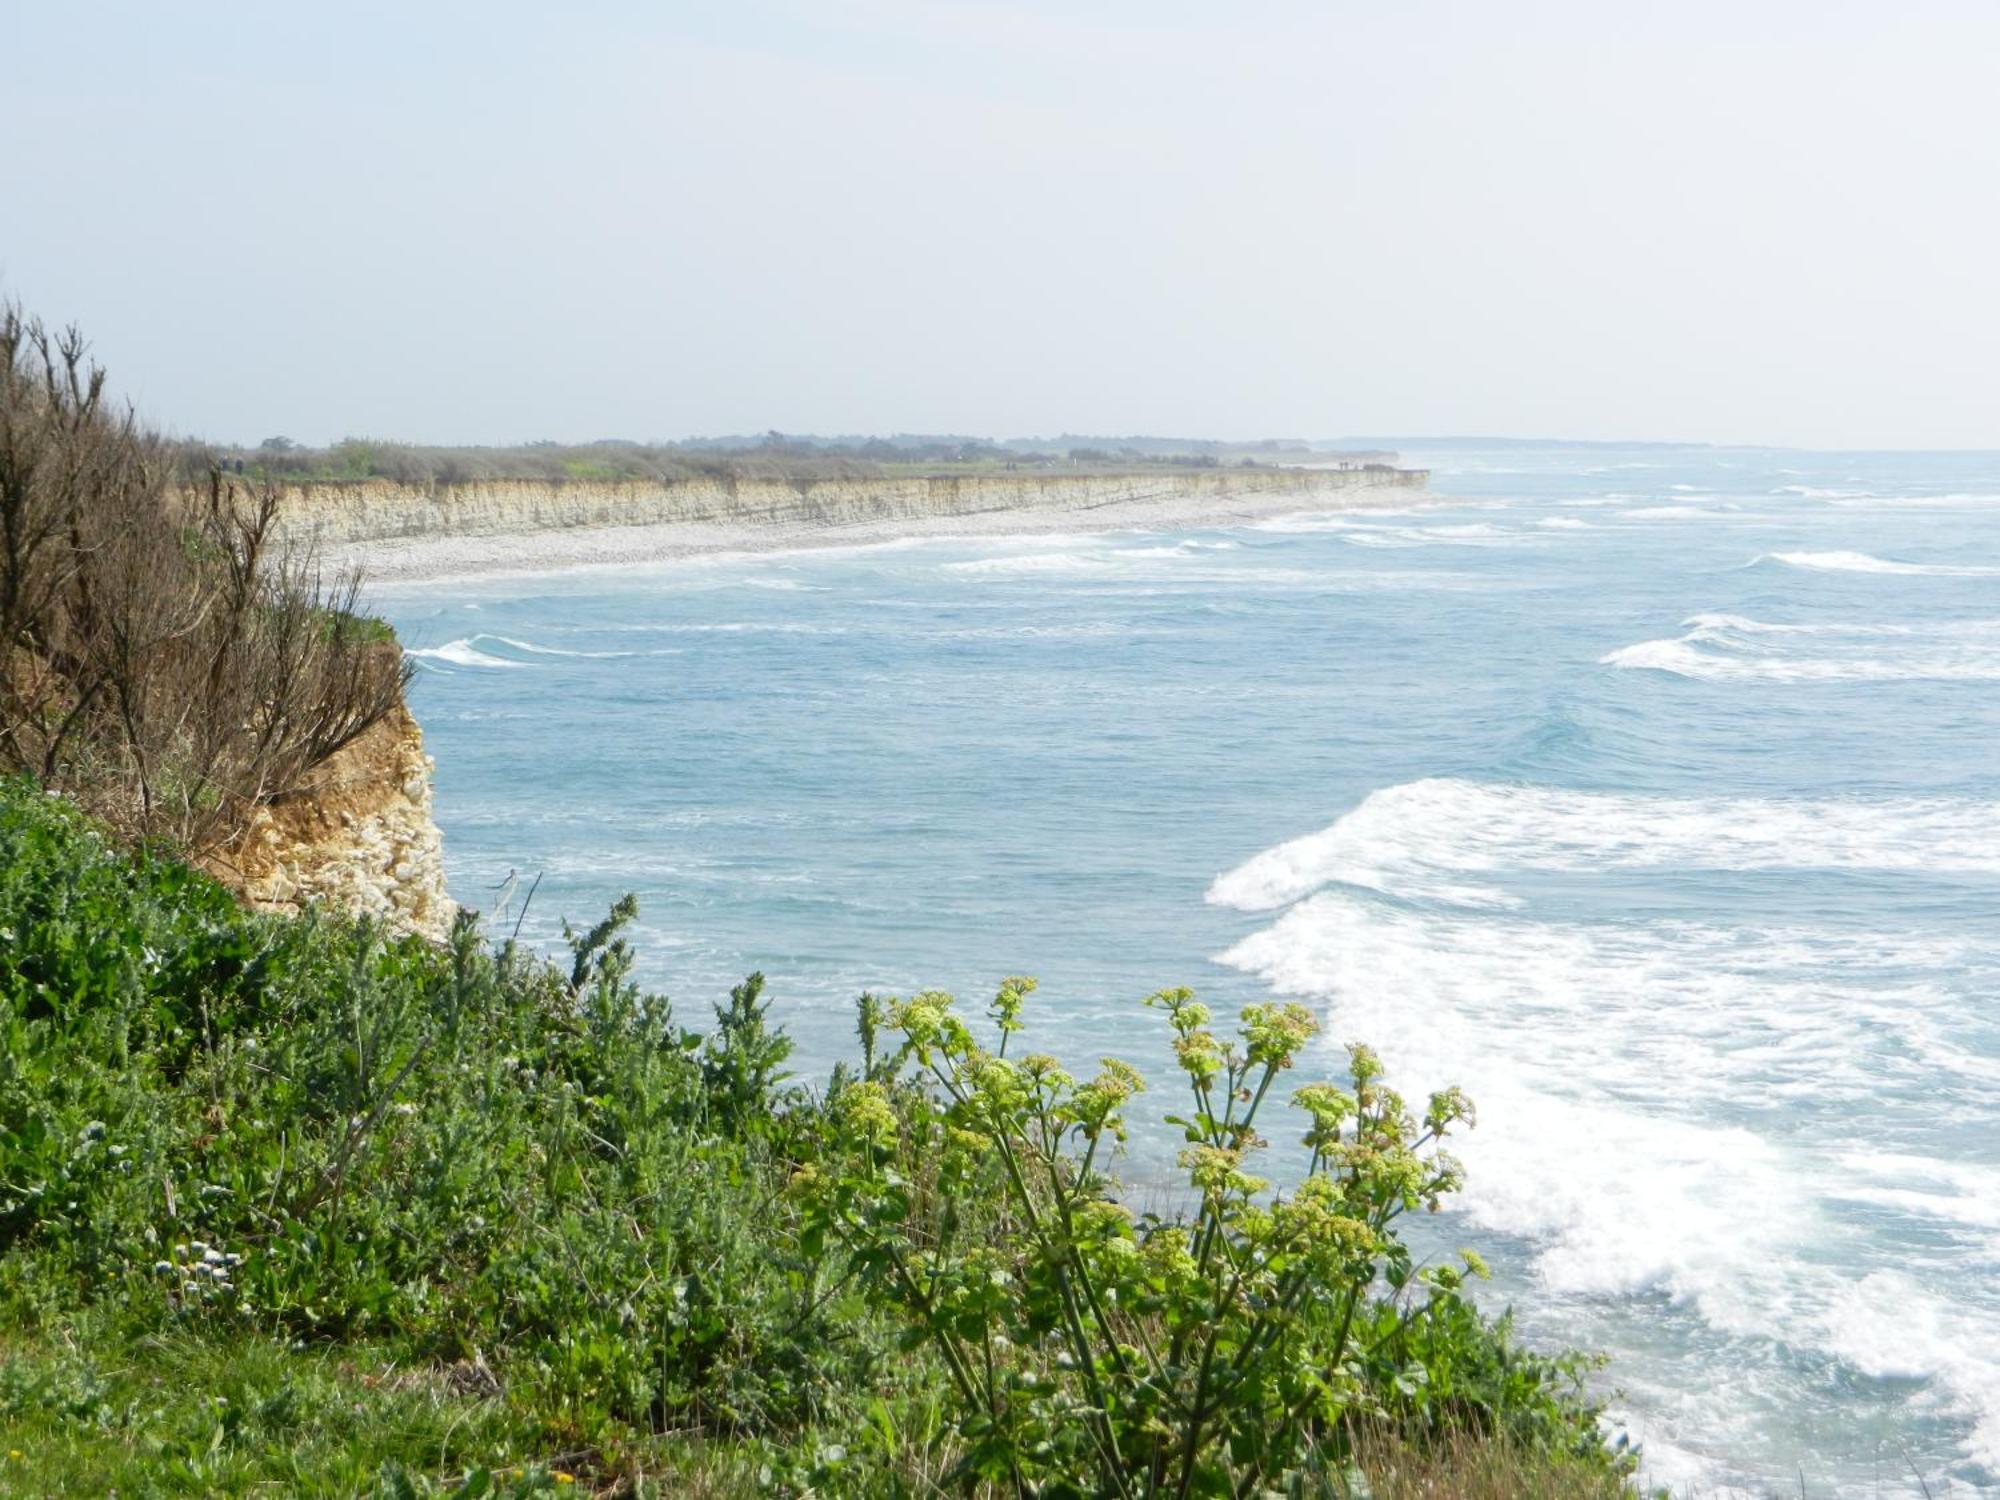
(1650, 794)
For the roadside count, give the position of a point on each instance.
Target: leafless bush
(162, 660)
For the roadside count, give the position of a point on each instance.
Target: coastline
(432, 558)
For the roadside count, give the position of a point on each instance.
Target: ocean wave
(535, 650)
(466, 652)
(1958, 650)
(1683, 658)
(1422, 837)
(460, 653)
(1956, 501)
(1176, 550)
(1862, 562)
(1461, 534)
(1620, 1070)
(1669, 513)
(1312, 524)
(1035, 563)
(723, 627)
(1563, 523)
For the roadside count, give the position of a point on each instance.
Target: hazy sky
(493, 222)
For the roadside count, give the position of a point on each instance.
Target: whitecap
(1684, 659)
(1048, 562)
(1604, 1058)
(1942, 650)
(460, 653)
(1862, 562)
(1420, 837)
(537, 650)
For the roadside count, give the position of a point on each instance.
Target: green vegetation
(289, 1204)
(774, 457)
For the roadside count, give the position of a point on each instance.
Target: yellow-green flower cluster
(1218, 1172)
(863, 1112)
(1006, 1009)
(1274, 1033)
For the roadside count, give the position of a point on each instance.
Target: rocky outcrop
(343, 514)
(358, 838)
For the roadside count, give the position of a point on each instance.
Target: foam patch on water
(1671, 1109)
(534, 649)
(1423, 837)
(1862, 562)
(1956, 501)
(1038, 563)
(1669, 513)
(1463, 534)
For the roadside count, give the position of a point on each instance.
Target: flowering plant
(1224, 1351)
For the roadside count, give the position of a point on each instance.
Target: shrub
(161, 658)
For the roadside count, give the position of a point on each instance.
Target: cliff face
(378, 510)
(358, 838)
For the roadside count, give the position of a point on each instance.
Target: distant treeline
(775, 455)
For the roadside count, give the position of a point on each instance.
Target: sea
(1650, 794)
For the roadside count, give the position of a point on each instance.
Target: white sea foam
(1684, 659)
(1314, 524)
(460, 653)
(1176, 551)
(1960, 501)
(1563, 523)
(537, 650)
(1462, 534)
(1622, 1067)
(466, 652)
(1668, 513)
(1734, 648)
(1423, 837)
(1862, 562)
(1598, 1054)
(1046, 562)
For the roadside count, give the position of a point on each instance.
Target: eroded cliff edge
(358, 837)
(344, 514)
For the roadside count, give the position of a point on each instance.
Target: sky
(1756, 221)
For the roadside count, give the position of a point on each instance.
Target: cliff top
(775, 457)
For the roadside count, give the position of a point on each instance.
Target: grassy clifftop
(287, 1204)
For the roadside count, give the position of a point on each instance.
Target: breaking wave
(1732, 648)
(1862, 562)
(466, 652)
(1669, 1107)
(1424, 838)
